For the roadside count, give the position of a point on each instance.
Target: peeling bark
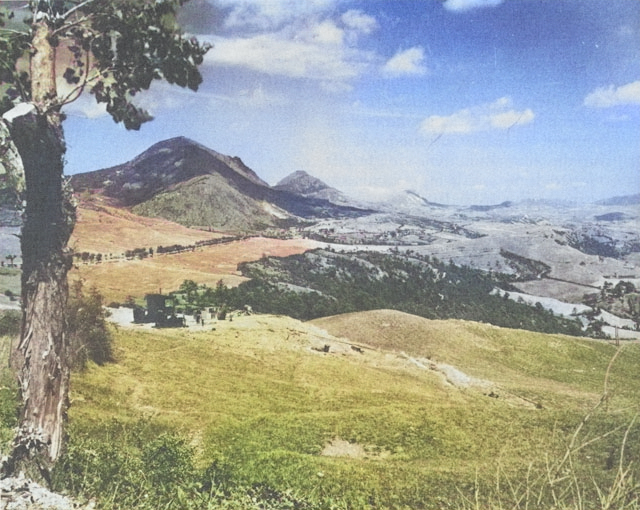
(11, 170)
(41, 358)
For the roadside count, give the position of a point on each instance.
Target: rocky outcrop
(20, 493)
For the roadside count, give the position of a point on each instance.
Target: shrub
(10, 323)
(89, 336)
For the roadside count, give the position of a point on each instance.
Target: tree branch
(77, 22)
(13, 31)
(76, 8)
(77, 91)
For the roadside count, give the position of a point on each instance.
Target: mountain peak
(172, 144)
(162, 166)
(305, 185)
(186, 182)
(301, 183)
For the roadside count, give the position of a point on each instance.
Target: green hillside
(319, 283)
(204, 201)
(269, 412)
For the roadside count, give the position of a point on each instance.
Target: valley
(547, 250)
(152, 223)
(403, 354)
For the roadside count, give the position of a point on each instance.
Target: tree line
(87, 257)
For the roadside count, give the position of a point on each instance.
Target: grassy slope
(101, 228)
(256, 398)
(105, 229)
(10, 280)
(549, 369)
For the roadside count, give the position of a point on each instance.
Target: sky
(462, 101)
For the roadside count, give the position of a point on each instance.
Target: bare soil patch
(340, 448)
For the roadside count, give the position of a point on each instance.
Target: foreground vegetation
(243, 417)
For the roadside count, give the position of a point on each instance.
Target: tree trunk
(41, 357)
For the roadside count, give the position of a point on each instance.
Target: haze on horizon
(462, 101)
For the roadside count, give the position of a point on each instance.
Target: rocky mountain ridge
(183, 181)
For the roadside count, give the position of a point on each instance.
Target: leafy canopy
(112, 49)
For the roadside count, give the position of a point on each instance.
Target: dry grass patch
(206, 265)
(101, 228)
(263, 404)
(549, 370)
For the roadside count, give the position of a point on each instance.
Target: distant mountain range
(183, 181)
(571, 247)
(623, 200)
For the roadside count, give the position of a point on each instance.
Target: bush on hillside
(89, 337)
(10, 323)
(140, 466)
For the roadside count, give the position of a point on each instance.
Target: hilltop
(187, 183)
(472, 355)
(301, 183)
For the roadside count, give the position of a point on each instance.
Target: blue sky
(462, 101)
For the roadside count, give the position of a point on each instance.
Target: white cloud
(300, 57)
(256, 97)
(86, 106)
(312, 40)
(459, 123)
(503, 102)
(605, 97)
(359, 21)
(407, 62)
(497, 115)
(465, 5)
(272, 14)
(326, 32)
(510, 118)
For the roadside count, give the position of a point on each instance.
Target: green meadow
(255, 413)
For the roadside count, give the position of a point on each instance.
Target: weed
(576, 479)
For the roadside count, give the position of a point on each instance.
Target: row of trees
(142, 253)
